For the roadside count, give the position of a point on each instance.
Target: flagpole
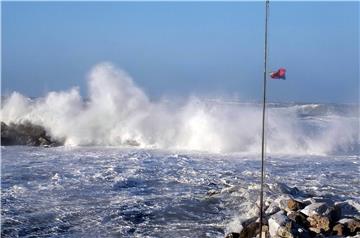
(263, 119)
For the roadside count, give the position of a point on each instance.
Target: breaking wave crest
(117, 112)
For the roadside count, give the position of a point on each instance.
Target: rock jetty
(291, 217)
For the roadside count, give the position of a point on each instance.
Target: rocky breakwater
(26, 134)
(291, 217)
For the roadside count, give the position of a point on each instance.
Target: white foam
(118, 112)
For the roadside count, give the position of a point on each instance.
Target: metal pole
(263, 120)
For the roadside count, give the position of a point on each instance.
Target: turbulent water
(107, 192)
(132, 167)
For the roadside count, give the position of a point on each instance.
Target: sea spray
(117, 112)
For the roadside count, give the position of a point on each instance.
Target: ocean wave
(117, 112)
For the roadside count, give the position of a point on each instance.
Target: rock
(272, 209)
(26, 134)
(319, 223)
(317, 235)
(302, 233)
(294, 205)
(315, 230)
(339, 230)
(250, 228)
(233, 235)
(285, 189)
(298, 218)
(349, 209)
(314, 209)
(315, 199)
(43, 141)
(334, 213)
(352, 225)
(280, 225)
(279, 203)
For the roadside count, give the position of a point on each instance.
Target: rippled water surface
(113, 192)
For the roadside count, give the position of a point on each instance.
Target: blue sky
(183, 48)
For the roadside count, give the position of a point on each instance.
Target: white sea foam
(118, 112)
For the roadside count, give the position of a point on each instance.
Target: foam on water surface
(93, 191)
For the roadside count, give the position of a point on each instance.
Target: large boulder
(251, 228)
(280, 225)
(294, 205)
(322, 216)
(352, 225)
(349, 209)
(340, 230)
(315, 209)
(298, 218)
(319, 224)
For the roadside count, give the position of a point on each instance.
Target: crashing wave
(118, 112)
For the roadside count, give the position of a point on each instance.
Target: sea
(132, 167)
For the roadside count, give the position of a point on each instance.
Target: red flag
(280, 74)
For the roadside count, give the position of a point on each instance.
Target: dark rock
(25, 134)
(233, 235)
(301, 233)
(250, 231)
(334, 213)
(250, 228)
(315, 199)
(298, 218)
(349, 209)
(352, 225)
(340, 230)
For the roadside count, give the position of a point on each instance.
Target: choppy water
(113, 192)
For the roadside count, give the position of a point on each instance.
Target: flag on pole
(280, 74)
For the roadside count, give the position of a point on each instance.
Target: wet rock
(280, 225)
(352, 225)
(319, 223)
(294, 205)
(302, 233)
(298, 218)
(315, 209)
(272, 209)
(349, 209)
(251, 227)
(43, 141)
(26, 134)
(339, 230)
(315, 199)
(334, 213)
(250, 230)
(278, 204)
(233, 235)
